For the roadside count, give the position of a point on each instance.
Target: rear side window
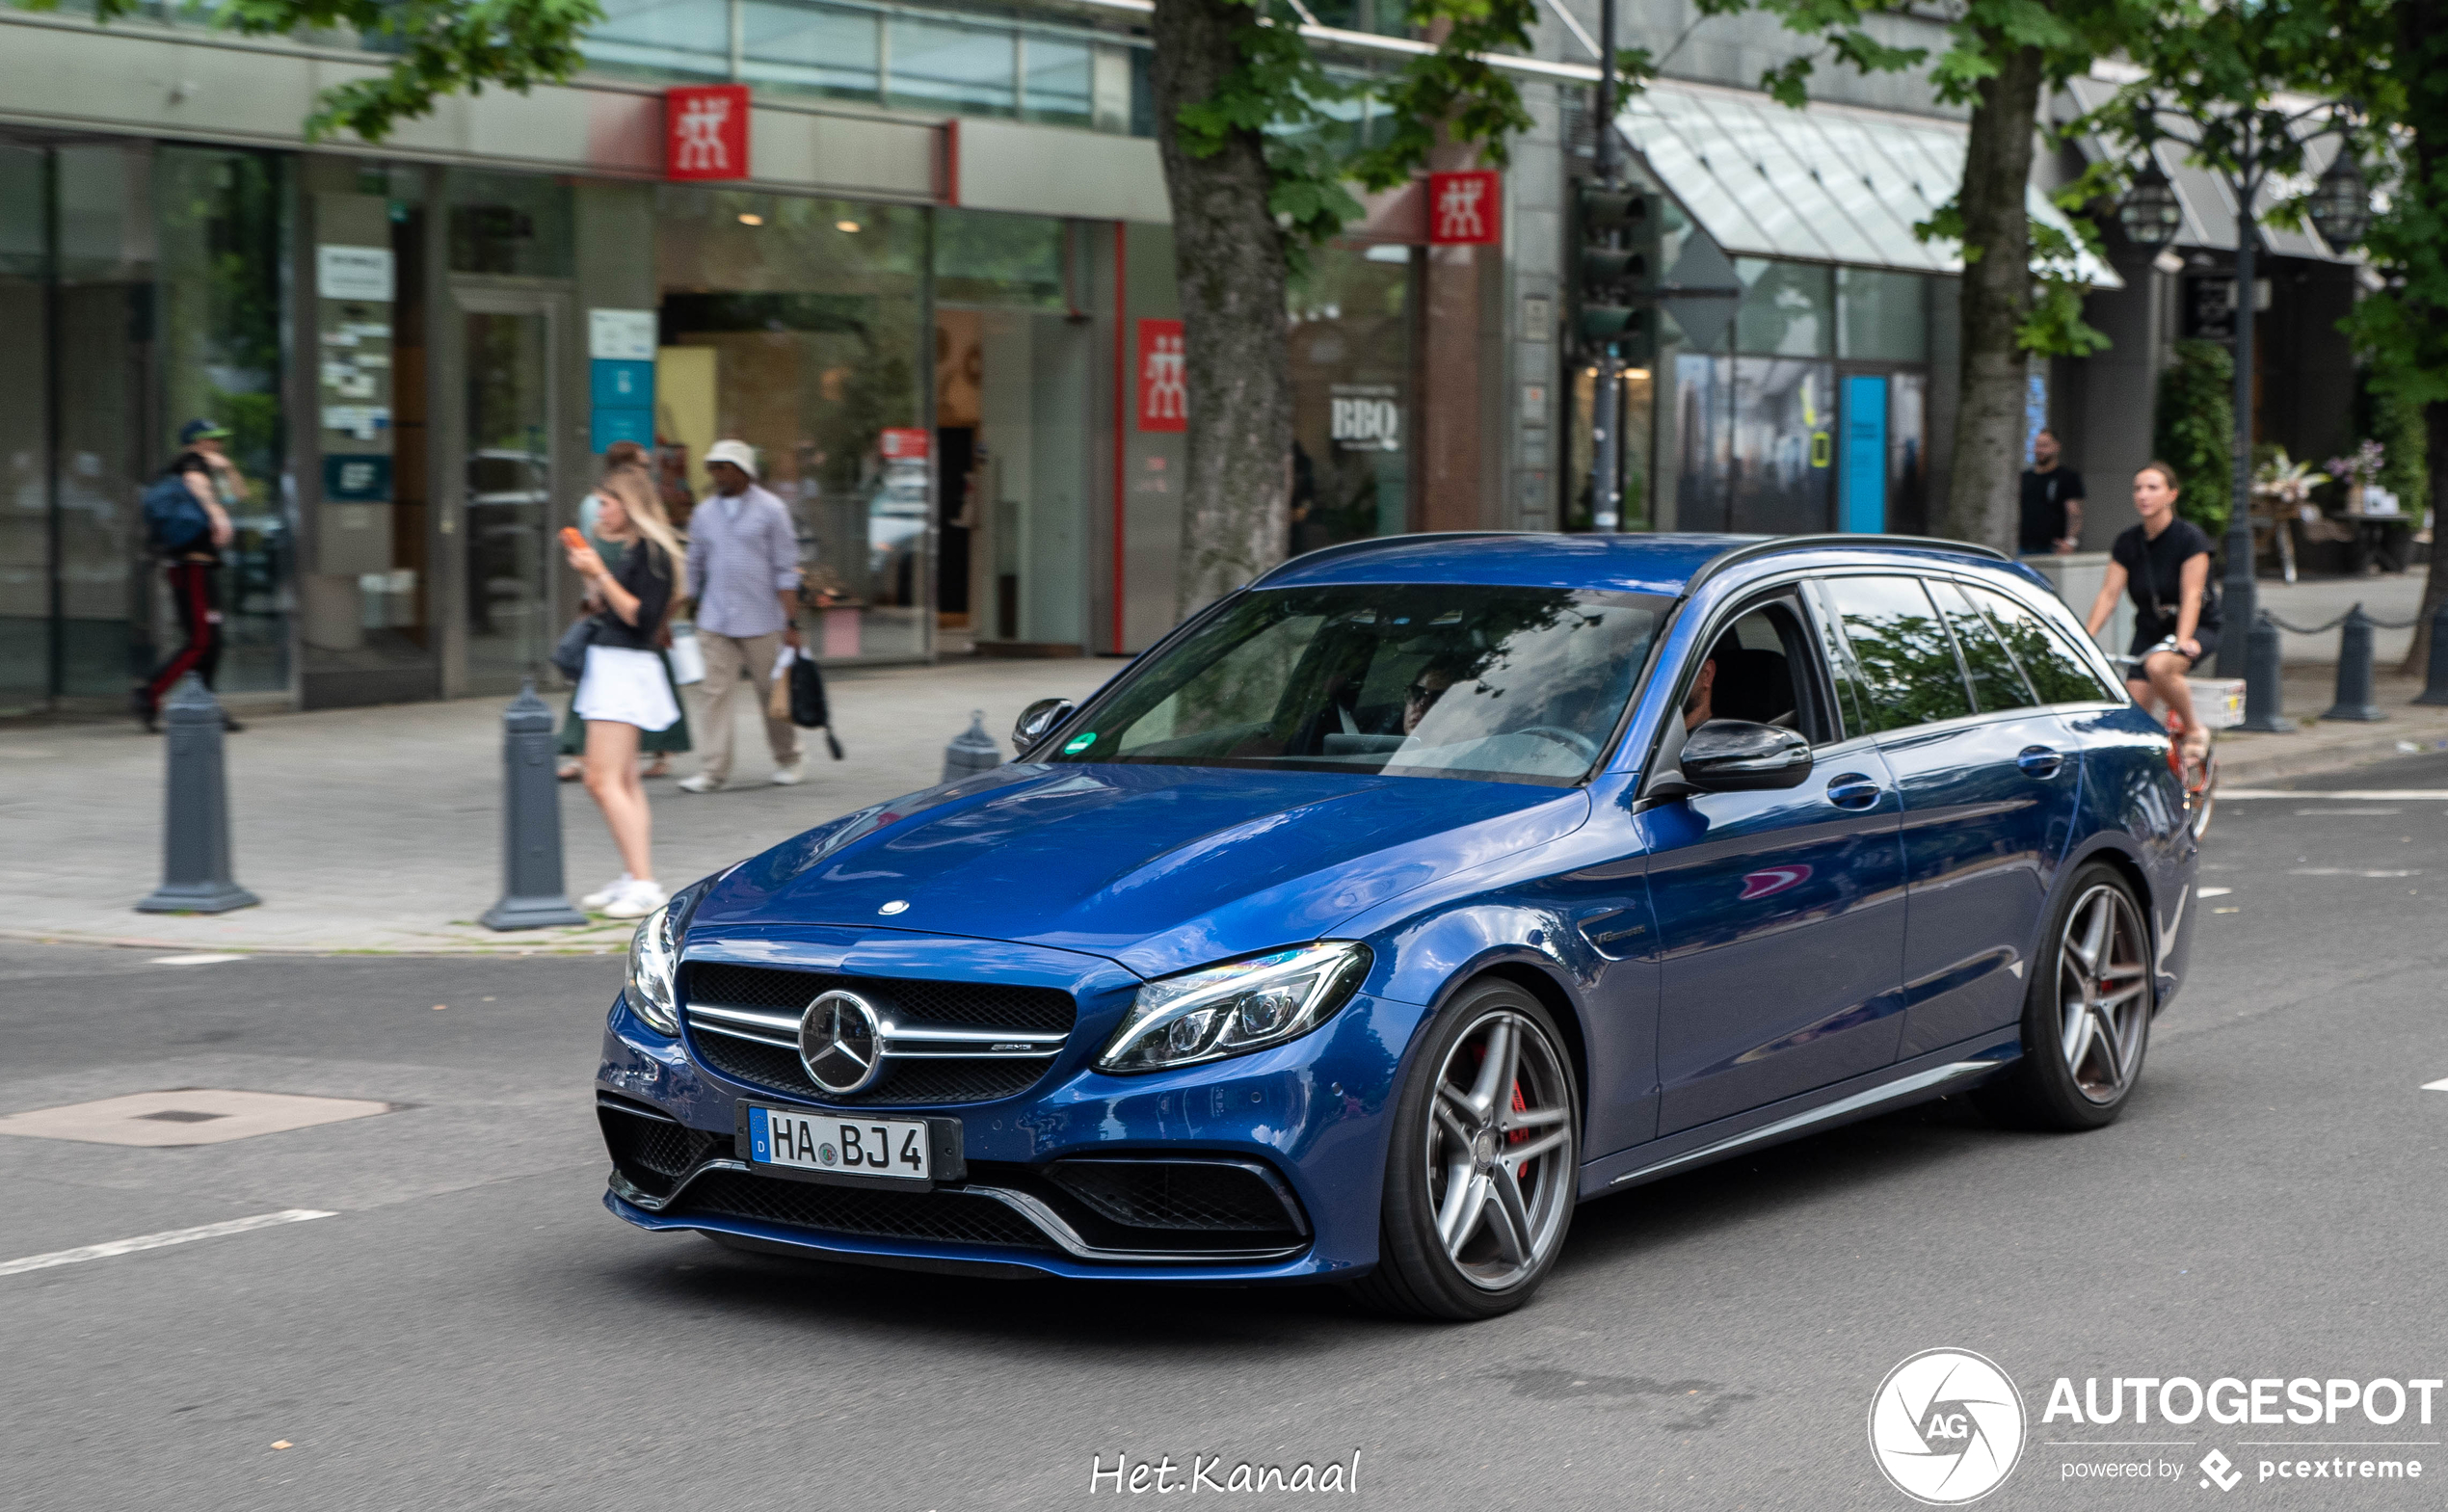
(2058, 673)
(1996, 683)
(1904, 661)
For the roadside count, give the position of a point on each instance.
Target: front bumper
(1307, 1118)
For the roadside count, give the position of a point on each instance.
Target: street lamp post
(1606, 503)
(2339, 209)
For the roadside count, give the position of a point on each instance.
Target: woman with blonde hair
(2163, 565)
(661, 745)
(625, 689)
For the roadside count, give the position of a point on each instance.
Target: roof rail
(1734, 556)
(1373, 543)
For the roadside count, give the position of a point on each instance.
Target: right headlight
(655, 957)
(1235, 1008)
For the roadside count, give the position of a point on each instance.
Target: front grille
(950, 1005)
(947, 1217)
(1176, 1194)
(753, 1054)
(651, 1153)
(926, 1082)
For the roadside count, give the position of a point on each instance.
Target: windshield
(1516, 684)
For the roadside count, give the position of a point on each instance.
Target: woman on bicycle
(2164, 563)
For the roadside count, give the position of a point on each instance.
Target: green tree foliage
(2194, 430)
(439, 48)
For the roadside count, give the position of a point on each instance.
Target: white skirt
(627, 687)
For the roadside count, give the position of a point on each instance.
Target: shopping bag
(688, 658)
(778, 690)
(808, 707)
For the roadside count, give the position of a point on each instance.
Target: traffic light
(1616, 235)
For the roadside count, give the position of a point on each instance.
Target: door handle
(1852, 790)
(2040, 761)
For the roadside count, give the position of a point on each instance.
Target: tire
(2096, 987)
(1511, 1212)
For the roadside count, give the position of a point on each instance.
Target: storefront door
(507, 343)
(1861, 484)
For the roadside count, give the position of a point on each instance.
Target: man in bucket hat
(743, 574)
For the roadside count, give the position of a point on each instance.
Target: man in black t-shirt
(2052, 502)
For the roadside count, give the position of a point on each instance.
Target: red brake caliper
(1521, 1104)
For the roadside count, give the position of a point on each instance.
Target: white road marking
(2441, 1085)
(2348, 814)
(195, 960)
(2347, 872)
(2380, 795)
(2215, 892)
(155, 1242)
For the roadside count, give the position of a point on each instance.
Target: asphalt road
(472, 1328)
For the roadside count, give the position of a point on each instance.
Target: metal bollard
(2436, 685)
(972, 751)
(195, 867)
(2264, 698)
(532, 896)
(2354, 670)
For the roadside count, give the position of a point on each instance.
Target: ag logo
(1946, 1426)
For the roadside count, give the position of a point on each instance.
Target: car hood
(1158, 868)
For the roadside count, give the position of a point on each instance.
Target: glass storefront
(1815, 420)
(795, 325)
(1353, 405)
(144, 283)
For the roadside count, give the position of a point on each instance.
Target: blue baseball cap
(194, 431)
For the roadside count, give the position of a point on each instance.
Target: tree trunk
(1980, 503)
(2436, 581)
(1228, 254)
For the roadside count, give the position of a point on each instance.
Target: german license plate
(835, 1145)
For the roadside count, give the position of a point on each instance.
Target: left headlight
(1235, 1008)
(655, 961)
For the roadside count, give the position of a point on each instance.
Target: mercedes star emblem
(840, 1045)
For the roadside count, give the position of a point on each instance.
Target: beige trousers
(727, 658)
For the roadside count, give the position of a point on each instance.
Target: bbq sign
(705, 131)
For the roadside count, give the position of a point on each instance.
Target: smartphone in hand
(570, 538)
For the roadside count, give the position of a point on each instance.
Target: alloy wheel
(1500, 1150)
(2103, 979)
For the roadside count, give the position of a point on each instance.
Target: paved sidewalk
(2318, 745)
(2313, 600)
(380, 830)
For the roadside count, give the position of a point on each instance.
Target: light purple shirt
(742, 549)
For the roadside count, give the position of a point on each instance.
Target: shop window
(1783, 445)
(1786, 308)
(1881, 316)
(219, 319)
(946, 65)
(514, 223)
(663, 38)
(1353, 405)
(1061, 80)
(811, 49)
(794, 324)
(1011, 418)
(25, 512)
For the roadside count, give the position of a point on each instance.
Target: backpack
(173, 521)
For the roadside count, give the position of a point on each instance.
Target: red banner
(705, 131)
(1164, 388)
(903, 443)
(1466, 209)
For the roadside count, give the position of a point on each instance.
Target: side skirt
(1955, 1068)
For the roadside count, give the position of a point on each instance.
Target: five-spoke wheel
(2087, 1021)
(1479, 1185)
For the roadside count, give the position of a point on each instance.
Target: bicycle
(2217, 704)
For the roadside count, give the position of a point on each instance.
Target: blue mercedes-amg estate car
(1411, 895)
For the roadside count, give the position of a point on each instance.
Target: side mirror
(1733, 755)
(1038, 721)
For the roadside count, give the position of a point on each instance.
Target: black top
(2153, 575)
(2045, 496)
(201, 549)
(645, 570)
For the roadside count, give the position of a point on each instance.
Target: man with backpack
(186, 525)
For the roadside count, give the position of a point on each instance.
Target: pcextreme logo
(1946, 1426)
